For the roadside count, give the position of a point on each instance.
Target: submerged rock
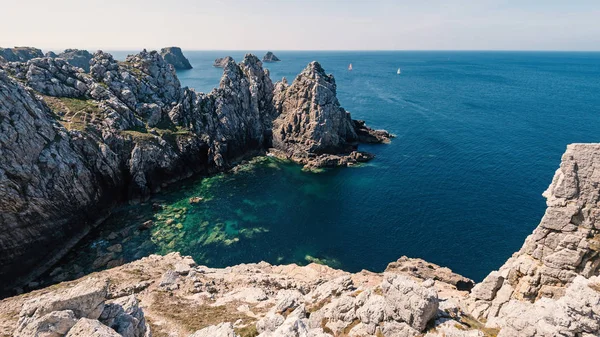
(270, 57)
(174, 56)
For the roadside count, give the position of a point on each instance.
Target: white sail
(398, 72)
(350, 67)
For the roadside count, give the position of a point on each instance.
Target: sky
(302, 24)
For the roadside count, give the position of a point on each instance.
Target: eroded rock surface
(549, 287)
(247, 300)
(174, 56)
(312, 128)
(80, 310)
(221, 62)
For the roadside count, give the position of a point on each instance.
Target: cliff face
(76, 143)
(174, 56)
(19, 54)
(553, 275)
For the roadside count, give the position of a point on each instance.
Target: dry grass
(191, 316)
(247, 331)
(74, 113)
(470, 323)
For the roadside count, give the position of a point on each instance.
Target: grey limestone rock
(220, 330)
(270, 57)
(174, 56)
(86, 327)
(19, 54)
(77, 58)
(221, 62)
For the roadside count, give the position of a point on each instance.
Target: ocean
(479, 136)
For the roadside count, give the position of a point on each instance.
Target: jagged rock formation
(270, 57)
(19, 54)
(174, 56)
(74, 144)
(563, 248)
(221, 62)
(77, 58)
(248, 300)
(312, 125)
(81, 310)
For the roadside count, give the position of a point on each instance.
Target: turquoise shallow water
(479, 136)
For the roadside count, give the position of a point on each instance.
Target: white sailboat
(398, 72)
(350, 67)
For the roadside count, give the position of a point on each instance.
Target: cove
(479, 136)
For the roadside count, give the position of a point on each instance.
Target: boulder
(221, 330)
(91, 328)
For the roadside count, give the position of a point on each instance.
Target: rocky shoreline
(76, 143)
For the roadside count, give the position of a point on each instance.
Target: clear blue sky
(308, 24)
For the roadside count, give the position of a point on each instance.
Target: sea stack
(312, 128)
(270, 57)
(221, 62)
(174, 56)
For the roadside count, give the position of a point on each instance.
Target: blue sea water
(479, 137)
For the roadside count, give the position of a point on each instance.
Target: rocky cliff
(221, 62)
(77, 58)
(76, 143)
(530, 296)
(312, 128)
(19, 54)
(174, 56)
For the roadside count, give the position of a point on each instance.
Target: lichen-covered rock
(52, 324)
(63, 308)
(221, 330)
(577, 313)
(174, 56)
(91, 328)
(125, 317)
(270, 57)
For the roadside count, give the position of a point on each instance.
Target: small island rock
(270, 57)
(221, 62)
(174, 56)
